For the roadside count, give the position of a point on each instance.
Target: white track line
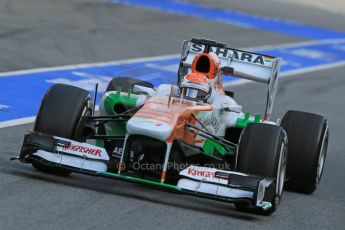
(23, 121)
(27, 120)
(86, 65)
(20, 121)
(162, 57)
(297, 44)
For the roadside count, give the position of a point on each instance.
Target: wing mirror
(138, 89)
(231, 108)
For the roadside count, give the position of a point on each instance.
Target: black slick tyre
(263, 152)
(308, 141)
(59, 115)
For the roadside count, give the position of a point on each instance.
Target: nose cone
(147, 127)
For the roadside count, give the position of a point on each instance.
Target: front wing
(211, 183)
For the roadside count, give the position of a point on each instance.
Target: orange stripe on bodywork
(163, 176)
(176, 115)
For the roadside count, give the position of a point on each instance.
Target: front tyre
(59, 115)
(262, 151)
(308, 141)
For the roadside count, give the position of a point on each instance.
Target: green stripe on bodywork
(265, 205)
(112, 99)
(118, 128)
(210, 146)
(140, 180)
(243, 122)
(100, 143)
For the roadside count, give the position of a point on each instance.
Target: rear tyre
(59, 115)
(263, 151)
(126, 83)
(308, 141)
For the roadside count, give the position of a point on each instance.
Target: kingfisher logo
(202, 173)
(82, 149)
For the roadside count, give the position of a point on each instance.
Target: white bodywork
(79, 155)
(218, 120)
(142, 126)
(199, 176)
(212, 189)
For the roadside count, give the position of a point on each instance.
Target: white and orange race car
(192, 137)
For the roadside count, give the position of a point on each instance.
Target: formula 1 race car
(191, 137)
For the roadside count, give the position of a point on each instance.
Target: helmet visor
(194, 94)
(191, 93)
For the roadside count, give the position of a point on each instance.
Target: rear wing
(239, 63)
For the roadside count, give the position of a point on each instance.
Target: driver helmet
(196, 87)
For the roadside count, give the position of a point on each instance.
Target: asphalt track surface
(50, 33)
